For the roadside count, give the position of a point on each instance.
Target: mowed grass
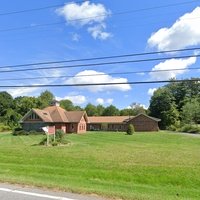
(143, 166)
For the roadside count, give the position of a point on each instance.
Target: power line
(97, 16)
(100, 74)
(100, 58)
(97, 84)
(100, 64)
(36, 9)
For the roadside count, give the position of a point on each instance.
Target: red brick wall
(144, 123)
(82, 126)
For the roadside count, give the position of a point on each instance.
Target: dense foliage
(176, 104)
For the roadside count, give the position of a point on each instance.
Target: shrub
(189, 128)
(4, 128)
(54, 143)
(130, 129)
(60, 136)
(21, 132)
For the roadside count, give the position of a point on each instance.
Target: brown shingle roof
(44, 115)
(57, 114)
(109, 119)
(75, 116)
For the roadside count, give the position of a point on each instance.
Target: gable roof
(76, 116)
(57, 114)
(116, 119)
(109, 119)
(153, 118)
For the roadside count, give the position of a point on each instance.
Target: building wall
(106, 127)
(30, 126)
(82, 126)
(144, 123)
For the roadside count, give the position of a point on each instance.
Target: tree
(184, 91)
(91, 110)
(111, 111)
(6, 101)
(162, 105)
(100, 110)
(191, 111)
(67, 105)
(24, 104)
(137, 109)
(12, 118)
(45, 99)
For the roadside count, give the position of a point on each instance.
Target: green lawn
(143, 166)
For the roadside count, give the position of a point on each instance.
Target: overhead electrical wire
(99, 74)
(36, 9)
(100, 58)
(97, 84)
(93, 17)
(100, 64)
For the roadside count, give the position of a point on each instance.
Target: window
(33, 116)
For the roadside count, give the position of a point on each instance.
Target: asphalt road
(16, 192)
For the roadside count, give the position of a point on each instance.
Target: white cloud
(184, 32)
(75, 99)
(87, 14)
(171, 64)
(109, 101)
(151, 91)
(104, 101)
(98, 33)
(100, 101)
(22, 91)
(81, 78)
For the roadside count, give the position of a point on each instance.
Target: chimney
(55, 103)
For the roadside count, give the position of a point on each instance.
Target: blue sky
(112, 33)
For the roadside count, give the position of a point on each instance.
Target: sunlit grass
(141, 166)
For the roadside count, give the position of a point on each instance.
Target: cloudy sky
(101, 28)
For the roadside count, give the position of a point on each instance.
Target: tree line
(175, 104)
(13, 109)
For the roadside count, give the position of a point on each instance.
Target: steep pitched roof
(44, 115)
(108, 119)
(57, 114)
(75, 116)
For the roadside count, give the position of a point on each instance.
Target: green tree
(67, 105)
(12, 118)
(100, 110)
(91, 109)
(45, 99)
(6, 102)
(162, 106)
(111, 111)
(183, 92)
(191, 111)
(24, 104)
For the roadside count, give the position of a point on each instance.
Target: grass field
(143, 166)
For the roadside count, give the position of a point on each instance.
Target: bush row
(20, 131)
(187, 128)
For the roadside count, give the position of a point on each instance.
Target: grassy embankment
(142, 166)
